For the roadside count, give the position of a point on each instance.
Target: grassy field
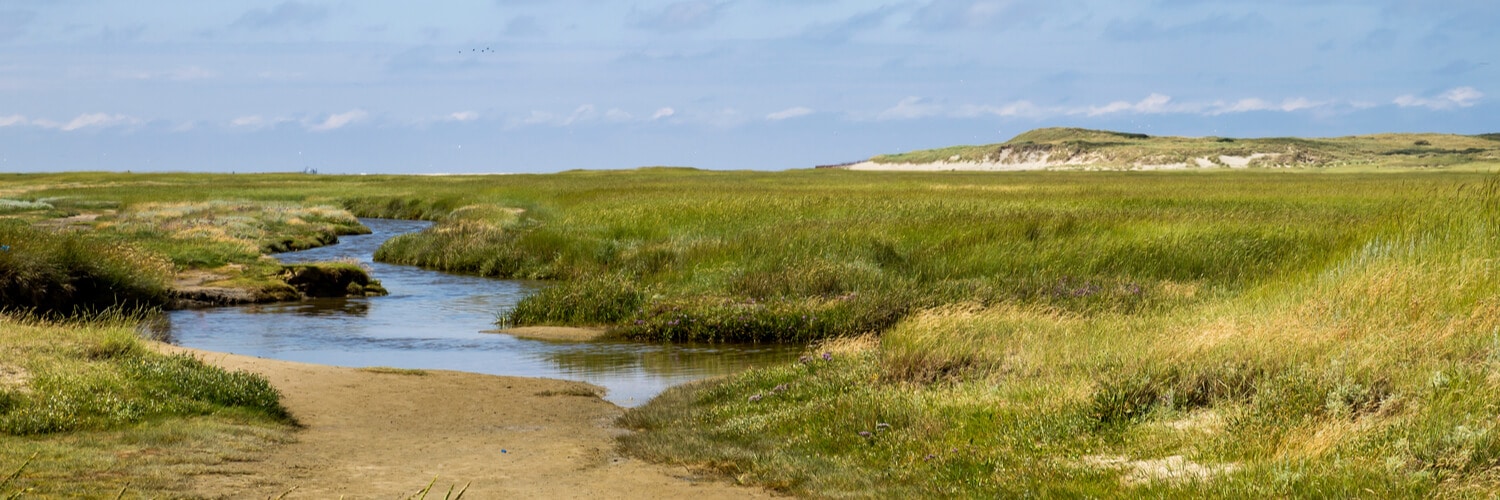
(1299, 332)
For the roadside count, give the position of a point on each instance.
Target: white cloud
(6, 121)
(257, 122)
(618, 115)
(1256, 104)
(1461, 97)
(254, 121)
(1152, 104)
(910, 108)
(89, 120)
(1015, 109)
(1156, 103)
(663, 113)
(583, 114)
(463, 116)
(789, 113)
(340, 120)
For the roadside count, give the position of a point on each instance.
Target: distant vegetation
(1082, 148)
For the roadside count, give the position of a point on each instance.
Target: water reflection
(434, 320)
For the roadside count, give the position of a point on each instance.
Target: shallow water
(433, 320)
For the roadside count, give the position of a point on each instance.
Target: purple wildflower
(804, 360)
(827, 356)
(755, 398)
(882, 427)
(864, 434)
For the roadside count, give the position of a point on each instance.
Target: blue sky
(349, 86)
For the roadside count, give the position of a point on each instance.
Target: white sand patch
(1241, 161)
(1171, 469)
(1011, 160)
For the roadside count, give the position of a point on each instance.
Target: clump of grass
(590, 300)
(97, 375)
(332, 279)
(50, 273)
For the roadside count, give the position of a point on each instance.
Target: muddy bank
(370, 433)
(194, 289)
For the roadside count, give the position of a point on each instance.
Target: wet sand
(369, 434)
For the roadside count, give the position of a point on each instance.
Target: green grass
(50, 273)
(1116, 150)
(1326, 333)
(101, 411)
(1375, 373)
(206, 235)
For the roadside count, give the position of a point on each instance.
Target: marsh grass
(49, 273)
(1048, 334)
(742, 257)
(1373, 374)
(213, 234)
(99, 410)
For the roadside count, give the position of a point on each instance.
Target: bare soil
(387, 434)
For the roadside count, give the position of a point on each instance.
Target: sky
(378, 86)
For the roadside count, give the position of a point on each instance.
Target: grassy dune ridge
(1089, 149)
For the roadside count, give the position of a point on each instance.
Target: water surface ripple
(434, 320)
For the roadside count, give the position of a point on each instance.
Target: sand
(554, 333)
(369, 434)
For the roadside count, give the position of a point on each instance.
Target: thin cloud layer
(1462, 97)
(680, 16)
(284, 14)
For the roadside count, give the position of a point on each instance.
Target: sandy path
(382, 435)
